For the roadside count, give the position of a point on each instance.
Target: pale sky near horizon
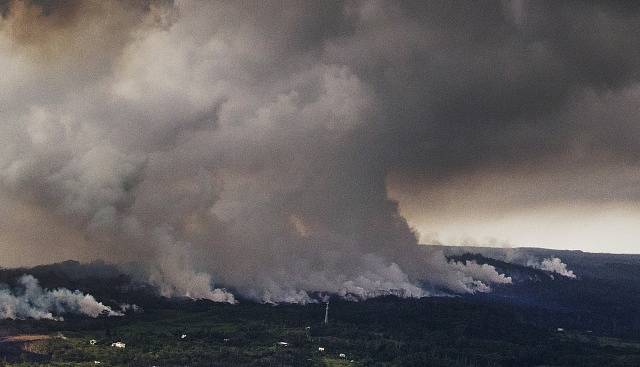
(609, 230)
(510, 212)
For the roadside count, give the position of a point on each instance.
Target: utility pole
(326, 314)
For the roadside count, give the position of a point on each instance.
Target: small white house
(559, 329)
(284, 344)
(320, 349)
(118, 345)
(183, 336)
(342, 355)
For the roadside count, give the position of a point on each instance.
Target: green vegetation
(380, 332)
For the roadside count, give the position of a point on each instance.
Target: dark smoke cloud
(492, 87)
(516, 107)
(254, 143)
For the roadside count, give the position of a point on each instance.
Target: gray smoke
(246, 144)
(461, 277)
(29, 300)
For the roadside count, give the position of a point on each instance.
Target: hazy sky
(292, 146)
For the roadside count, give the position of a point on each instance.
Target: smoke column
(216, 143)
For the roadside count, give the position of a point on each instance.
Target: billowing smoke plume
(480, 276)
(29, 300)
(236, 143)
(553, 265)
(461, 277)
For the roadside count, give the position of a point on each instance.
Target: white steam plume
(553, 265)
(462, 277)
(29, 300)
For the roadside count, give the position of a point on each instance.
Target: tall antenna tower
(326, 314)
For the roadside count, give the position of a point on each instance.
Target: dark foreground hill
(604, 297)
(542, 319)
(379, 332)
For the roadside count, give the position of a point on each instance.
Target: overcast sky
(284, 146)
